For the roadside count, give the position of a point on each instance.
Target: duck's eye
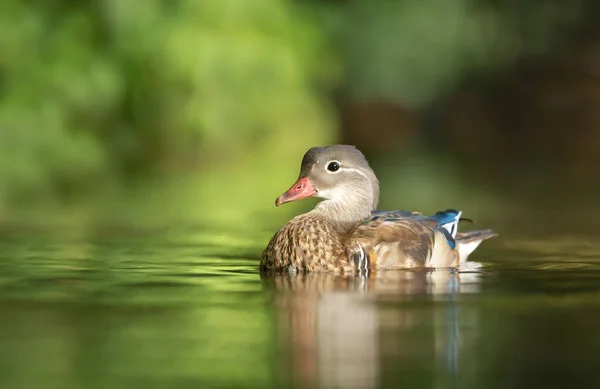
(333, 166)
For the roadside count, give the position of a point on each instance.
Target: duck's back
(305, 243)
(401, 239)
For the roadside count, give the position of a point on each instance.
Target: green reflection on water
(182, 308)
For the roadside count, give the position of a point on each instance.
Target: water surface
(187, 308)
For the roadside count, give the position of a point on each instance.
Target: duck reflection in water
(347, 331)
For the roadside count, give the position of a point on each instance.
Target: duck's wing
(447, 219)
(402, 239)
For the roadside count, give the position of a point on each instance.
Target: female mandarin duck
(344, 233)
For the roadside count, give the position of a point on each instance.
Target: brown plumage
(307, 242)
(343, 233)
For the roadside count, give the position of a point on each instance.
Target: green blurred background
(151, 137)
(158, 113)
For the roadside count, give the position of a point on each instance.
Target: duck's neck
(344, 215)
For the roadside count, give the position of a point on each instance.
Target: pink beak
(302, 189)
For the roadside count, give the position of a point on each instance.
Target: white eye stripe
(351, 169)
(345, 168)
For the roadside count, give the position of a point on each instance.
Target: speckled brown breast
(306, 243)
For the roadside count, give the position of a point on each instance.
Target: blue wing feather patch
(447, 216)
(448, 219)
(449, 237)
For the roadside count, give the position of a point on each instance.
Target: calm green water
(187, 309)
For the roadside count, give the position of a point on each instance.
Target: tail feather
(468, 241)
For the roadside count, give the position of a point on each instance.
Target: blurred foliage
(101, 96)
(97, 93)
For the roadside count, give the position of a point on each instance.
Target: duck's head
(340, 175)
